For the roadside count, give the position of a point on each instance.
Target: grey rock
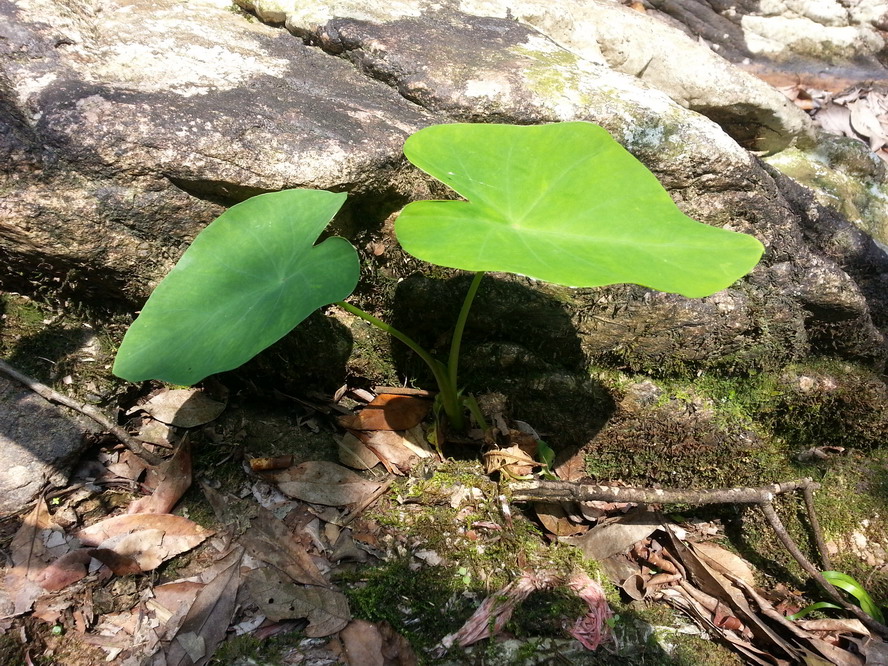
(39, 443)
(131, 127)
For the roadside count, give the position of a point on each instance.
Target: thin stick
(815, 527)
(53, 396)
(565, 491)
(774, 520)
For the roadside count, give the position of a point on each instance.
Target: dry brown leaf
(389, 446)
(172, 526)
(554, 518)
(29, 555)
(270, 540)
(325, 483)
(184, 408)
(170, 482)
(369, 644)
(603, 541)
(355, 454)
(388, 412)
(148, 539)
(724, 561)
(326, 610)
(207, 620)
(835, 626)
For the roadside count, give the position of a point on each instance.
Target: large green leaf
(246, 281)
(563, 203)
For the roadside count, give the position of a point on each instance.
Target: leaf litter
(292, 527)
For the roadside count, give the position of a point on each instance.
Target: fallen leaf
(354, 453)
(603, 541)
(324, 483)
(369, 644)
(170, 482)
(184, 408)
(388, 412)
(207, 620)
(270, 540)
(389, 446)
(555, 520)
(724, 560)
(326, 610)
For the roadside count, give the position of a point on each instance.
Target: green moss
(845, 177)
(249, 649)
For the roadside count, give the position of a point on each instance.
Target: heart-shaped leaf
(564, 203)
(246, 281)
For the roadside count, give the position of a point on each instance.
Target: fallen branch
(774, 520)
(87, 410)
(566, 491)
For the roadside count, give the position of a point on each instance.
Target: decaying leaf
(369, 644)
(149, 539)
(388, 412)
(323, 482)
(326, 610)
(184, 408)
(554, 518)
(170, 482)
(208, 618)
(617, 537)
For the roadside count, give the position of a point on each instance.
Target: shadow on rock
(519, 342)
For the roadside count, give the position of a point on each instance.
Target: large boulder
(126, 130)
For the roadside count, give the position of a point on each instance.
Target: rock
(122, 165)
(39, 443)
(129, 129)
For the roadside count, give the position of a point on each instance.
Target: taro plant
(563, 203)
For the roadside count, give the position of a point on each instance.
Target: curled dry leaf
(724, 561)
(170, 481)
(554, 519)
(326, 610)
(184, 408)
(369, 644)
(515, 461)
(388, 412)
(324, 483)
(391, 449)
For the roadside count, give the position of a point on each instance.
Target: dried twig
(88, 410)
(565, 491)
(774, 520)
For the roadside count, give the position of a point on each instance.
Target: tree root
(87, 410)
(762, 497)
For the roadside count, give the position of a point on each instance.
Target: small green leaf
(246, 281)
(845, 582)
(563, 203)
(811, 608)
